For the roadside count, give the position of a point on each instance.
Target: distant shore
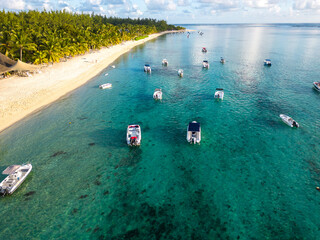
(21, 96)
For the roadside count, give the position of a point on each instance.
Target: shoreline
(23, 96)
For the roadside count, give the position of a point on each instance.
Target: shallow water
(252, 176)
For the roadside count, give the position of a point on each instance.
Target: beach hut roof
(5, 63)
(21, 66)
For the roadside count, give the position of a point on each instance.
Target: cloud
(13, 4)
(219, 5)
(306, 5)
(261, 3)
(161, 5)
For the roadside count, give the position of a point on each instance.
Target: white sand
(20, 96)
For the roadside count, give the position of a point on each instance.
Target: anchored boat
(194, 132)
(180, 73)
(16, 175)
(165, 62)
(157, 95)
(219, 94)
(316, 86)
(267, 62)
(222, 60)
(289, 121)
(205, 64)
(134, 135)
(106, 85)
(147, 68)
(204, 49)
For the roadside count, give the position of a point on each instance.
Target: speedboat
(204, 49)
(222, 60)
(113, 66)
(219, 93)
(106, 85)
(289, 121)
(157, 95)
(316, 86)
(194, 132)
(147, 68)
(180, 73)
(134, 135)
(165, 62)
(267, 62)
(16, 175)
(205, 64)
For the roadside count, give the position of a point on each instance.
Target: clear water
(252, 176)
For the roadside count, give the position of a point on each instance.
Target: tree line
(43, 37)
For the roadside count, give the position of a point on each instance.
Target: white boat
(157, 95)
(113, 66)
(134, 135)
(205, 64)
(16, 175)
(267, 62)
(194, 132)
(289, 121)
(147, 68)
(204, 49)
(222, 60)
(165, 62)
(219, 94)
(106, 85)
(316, 86)
(180, 73)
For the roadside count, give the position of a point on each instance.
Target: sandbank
(21, 96)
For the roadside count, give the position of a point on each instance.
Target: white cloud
(12, 4)
(261, 3)
(161, 5)
(306, 5)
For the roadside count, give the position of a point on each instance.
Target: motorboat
(316, 86)
(267, 62)
(180, 73)
(113, 66)
(165, 62)
(194, 132)
(205, 64)
(157, 95)
(16, 175)
(222, 60)
(147, 68)
(204, 49)
(289, 121)
(105, 86)
(134, 135)
(219, 94)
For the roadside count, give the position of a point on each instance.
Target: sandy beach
(21, 96)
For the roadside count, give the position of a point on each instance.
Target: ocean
(251, 177)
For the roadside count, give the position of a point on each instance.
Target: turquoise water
(252, 176)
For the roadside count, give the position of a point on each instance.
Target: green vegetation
(141, 37)
(42, 37)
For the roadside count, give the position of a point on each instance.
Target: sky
(185, 11)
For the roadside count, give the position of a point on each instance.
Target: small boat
(219, 94)
(222, 60)
(16, 175)
(180, 73)
(205, 64)
(289, 121)
(113, 66)
(267, 62)
(316, 86)
(165, 62)
(157, 95)
(204, 49)
(106, 85)
(147, 68)
(134, 135)
(194, 132)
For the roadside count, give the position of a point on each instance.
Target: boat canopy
(219, 89)
(147, 65)
(194, 127)
(205, 61)
(157, 90)
(11, 169)
(268, 60)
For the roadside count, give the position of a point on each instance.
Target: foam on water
(252, 176)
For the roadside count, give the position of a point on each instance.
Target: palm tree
(21, 41)
(5, 42)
